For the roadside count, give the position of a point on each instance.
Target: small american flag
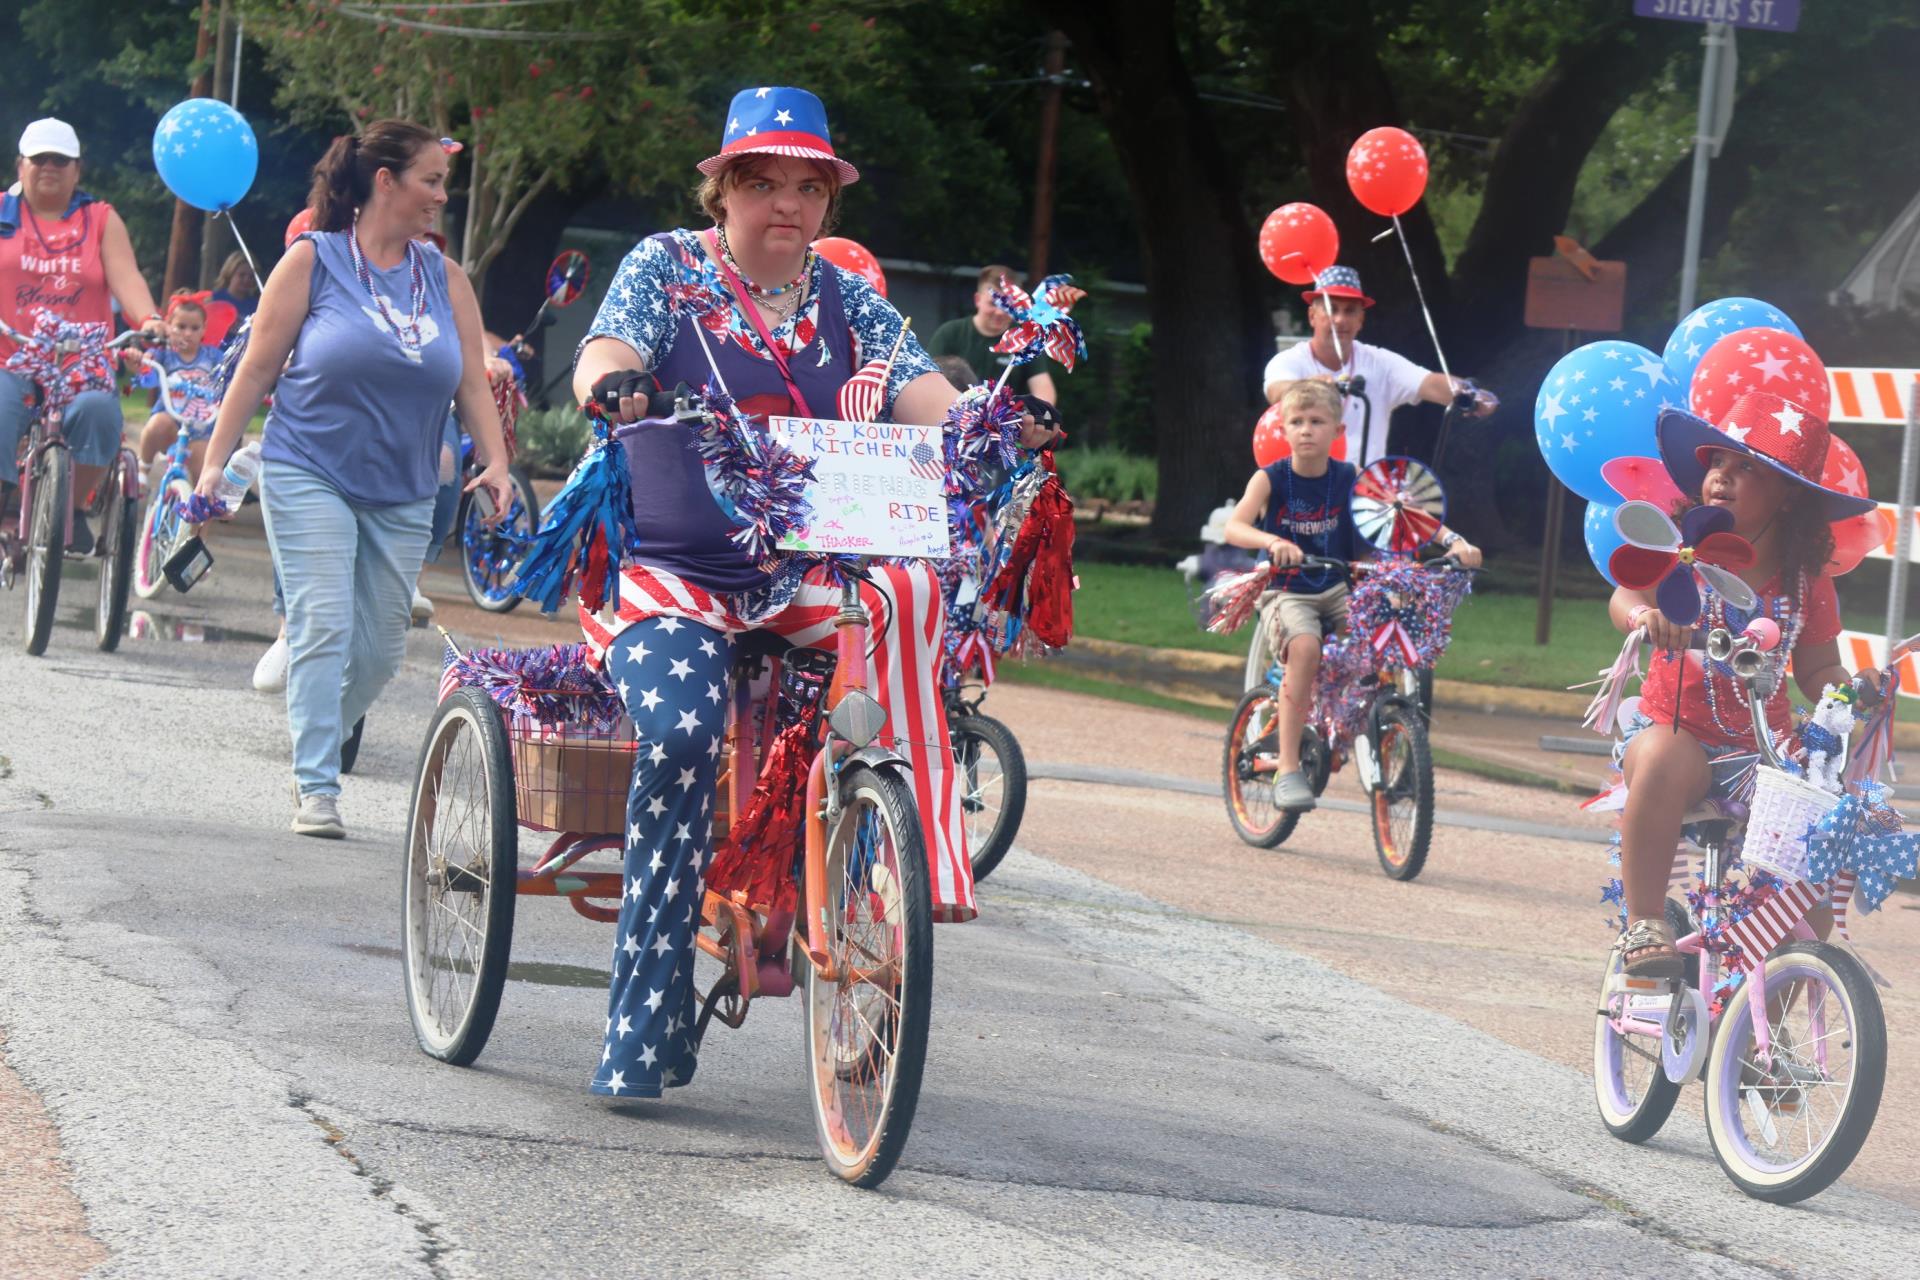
(864, 393)
(1772, 919)
(926, 462)
(449, 678)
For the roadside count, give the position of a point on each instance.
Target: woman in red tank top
(64, 252)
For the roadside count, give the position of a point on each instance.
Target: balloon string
(1421, 294)
(245, 252)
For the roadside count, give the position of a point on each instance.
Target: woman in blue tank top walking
(382, 335)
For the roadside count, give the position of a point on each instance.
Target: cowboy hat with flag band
(777, 121)
(1338, 282)
(1768, 428)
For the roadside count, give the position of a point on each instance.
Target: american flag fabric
(777, 120)
(449, 678)
(862, 395)
(927, 462)
(1772, 919)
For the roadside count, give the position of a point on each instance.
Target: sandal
(1649, 951)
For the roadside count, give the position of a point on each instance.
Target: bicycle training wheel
(1630, 1085)
(46, 544)
(158, 526)
(993, 798)
(866, 1025)
(460, 879)
(1403, 797)
(1248, 770)
(1785, 1127)
(116, 570)
(490, 557)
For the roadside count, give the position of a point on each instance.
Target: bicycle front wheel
(1403, 796)
(1785, 1124)
(489, 558)
(993, 798)
(46, 544)
(866, 1022)
(460, 879)
(116, 570)
(1248, 769)
(158, 526)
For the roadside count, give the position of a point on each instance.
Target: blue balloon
(1712, 321)
(206, 153)
(1597, 404)
(1602, 538)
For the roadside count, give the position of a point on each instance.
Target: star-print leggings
(672, 674)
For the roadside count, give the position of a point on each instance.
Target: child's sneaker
(1291, 792)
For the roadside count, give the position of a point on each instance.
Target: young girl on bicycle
(1693, 737)
(192, 367)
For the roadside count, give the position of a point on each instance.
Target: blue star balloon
(1597, 404)
(205, 152)
(1602, 538)
(1711, 321)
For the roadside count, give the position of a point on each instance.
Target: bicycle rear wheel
(158, 525)
(1248, 770)
(1784, 1128)
(116, 570)
(46, 544)
(1630, 1086)
(866, 1027)
(1403, 796)
(993, 776)
(460, 879)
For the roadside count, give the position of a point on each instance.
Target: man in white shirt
(1336, 308)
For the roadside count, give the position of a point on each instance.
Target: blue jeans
(93, 426)
(348, 573)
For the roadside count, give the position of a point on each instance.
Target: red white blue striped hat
(1338, 282)
(777, 121)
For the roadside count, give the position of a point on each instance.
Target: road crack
(435, 1247)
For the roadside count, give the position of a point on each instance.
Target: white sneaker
(319, 815)
(270, 673)
(422, 609)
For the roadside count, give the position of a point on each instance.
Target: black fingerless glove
(611, 387)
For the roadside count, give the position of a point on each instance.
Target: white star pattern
(617, 1082)
(1770, 367)
(1550, 410)
(654, 997)
(689, 721)
(656, 806)
(647, 1056)
(1738, 434)
(680, 669)
(631, 946)
(1789, 419)
(783, 116)
(1568, 443)
(626, 1025)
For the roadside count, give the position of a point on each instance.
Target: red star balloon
(1387, 170)
(1758, 360)
(1298, 242)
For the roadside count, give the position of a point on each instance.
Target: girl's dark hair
(343, 179)
(1806, 540)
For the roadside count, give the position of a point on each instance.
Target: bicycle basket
(571, 777)
(1781, 817)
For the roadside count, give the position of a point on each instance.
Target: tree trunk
(1211, 326)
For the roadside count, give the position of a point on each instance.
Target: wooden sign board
(1559, 296)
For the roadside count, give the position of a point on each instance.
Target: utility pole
(185, 216)
(1054, 69)
(213, 240)
(1706, 144)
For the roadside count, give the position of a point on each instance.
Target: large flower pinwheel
(1041, 323)
(1671, 559)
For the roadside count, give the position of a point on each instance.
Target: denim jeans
(348, 574)
(93, 426)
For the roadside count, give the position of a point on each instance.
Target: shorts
(1730, 768)
(1287, 614)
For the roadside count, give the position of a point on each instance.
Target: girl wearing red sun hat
(1756, 477)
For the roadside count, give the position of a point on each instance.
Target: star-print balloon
(1758, 360)
(1667, 558)
(1598, 403)
(1711, 321)
(205, 152)
(1387, 170)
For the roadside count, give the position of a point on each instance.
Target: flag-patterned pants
(670, 655)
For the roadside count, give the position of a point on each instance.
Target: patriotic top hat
(1338, 282)
(777, 121)
(1768, 428)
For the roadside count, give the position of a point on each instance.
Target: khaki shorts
(1288, 614)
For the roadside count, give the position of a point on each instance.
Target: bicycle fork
(849, 691)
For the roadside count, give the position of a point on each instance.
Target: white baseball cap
(48, 135)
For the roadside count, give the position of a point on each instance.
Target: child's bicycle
(859, 941)
(163, 526)
(993, 771)
(490, 555)
(1359, 712)
(1789, 1040)
(61, 360)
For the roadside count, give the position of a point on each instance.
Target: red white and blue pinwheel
(1672, 559)
(1041, 323)
(1398, 504)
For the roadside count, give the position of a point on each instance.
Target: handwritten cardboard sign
(879, 488)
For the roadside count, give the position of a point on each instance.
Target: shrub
(1108, 474)
(552, 440)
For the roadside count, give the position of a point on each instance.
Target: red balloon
(1759, 360)
(1842, 470)
(1387, 169)
(1854, 537)
(301, 224)
(1298, 242)
(852, 255)
(1270, 440)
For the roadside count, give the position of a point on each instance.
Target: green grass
(1052, 676)
(1109, 474)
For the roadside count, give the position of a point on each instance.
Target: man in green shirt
(972, 338)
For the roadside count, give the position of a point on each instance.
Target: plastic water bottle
(241, 471)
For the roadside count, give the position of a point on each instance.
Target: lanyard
(760, 327)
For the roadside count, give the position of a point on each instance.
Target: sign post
(1903, 532)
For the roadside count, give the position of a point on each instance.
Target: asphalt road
(1120, 1082)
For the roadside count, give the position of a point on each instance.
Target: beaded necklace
(54, 250)
(407, 335)
(759, 291)
(1784, 610)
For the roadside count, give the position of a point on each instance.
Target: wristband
(1448, 538)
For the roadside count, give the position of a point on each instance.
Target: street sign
(1756, 15)
(1561, 295)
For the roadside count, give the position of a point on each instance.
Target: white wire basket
(1782, 816)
